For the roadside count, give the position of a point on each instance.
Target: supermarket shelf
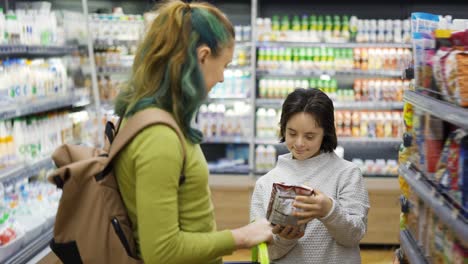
(31, 249)
(443, 110)
(351, 140)
(107, 43)
(230, 171)
(263, 172)
(105, 70)
(277, 103)
(228, 98)
(226, 140)
(239, 67)
(243, 43)
(26, 170)
(330, 45)
(341, 140)
(41, 105)
(35, 51)
(451, 217)
(267, 141)
(310, 73)
(411, 249)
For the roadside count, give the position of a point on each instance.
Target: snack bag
(280, 209)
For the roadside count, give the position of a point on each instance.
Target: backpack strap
(135, 125)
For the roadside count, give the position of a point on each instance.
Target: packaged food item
(463, 172)
(456, 76)
(280, 209)
(433, 141)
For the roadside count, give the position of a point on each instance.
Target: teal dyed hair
(166, 73)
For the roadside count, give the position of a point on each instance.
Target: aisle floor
(369, 256)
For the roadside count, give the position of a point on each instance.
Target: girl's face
(212, 67)
(303, 136)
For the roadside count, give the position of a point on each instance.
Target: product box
(280, 209)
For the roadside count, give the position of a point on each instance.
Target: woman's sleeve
(158, 161)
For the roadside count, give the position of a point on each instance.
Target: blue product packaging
(463, 172)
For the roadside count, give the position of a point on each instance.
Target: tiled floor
(369, 256)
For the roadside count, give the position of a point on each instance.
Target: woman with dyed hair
(183, 55)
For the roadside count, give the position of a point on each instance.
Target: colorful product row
(370, 124)
(332, 29)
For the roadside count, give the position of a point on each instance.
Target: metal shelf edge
(438, 206)
(30, 250)
(443, 110)
(411, 249)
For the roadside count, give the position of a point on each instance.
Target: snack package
(463, 173)
(455, 74)
(280, 208)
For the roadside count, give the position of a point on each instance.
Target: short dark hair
(317, 103)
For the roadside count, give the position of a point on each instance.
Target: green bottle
(305, 23)
(275, 23)
(310, 57)
(320, 24)
(288, 54)
(313, 83)
(336, 27)
(345, 34)
(313, 23)
(285, 26)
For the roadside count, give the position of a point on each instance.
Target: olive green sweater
(171, 223)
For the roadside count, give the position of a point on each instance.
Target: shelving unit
(440, 109)
(226, 140)
(310, 73)
(330, 45)
(35, 51)
(430, 195)
(342, 140)
(277, 103)
(410, 248)
(42, 105)
(26, 170)
(32, 249)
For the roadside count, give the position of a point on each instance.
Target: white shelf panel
(277, 103)
(311, 73)
(35, 50)
(26, 170)
(106, 70)
(411, 249)
(440, 109)
(32, 249)
(452, 218)
(291, 44)
(227, 140)
(42, 105)
(341, 140)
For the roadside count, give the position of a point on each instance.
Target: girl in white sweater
(336, 215)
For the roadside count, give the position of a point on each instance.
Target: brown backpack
(92, 225)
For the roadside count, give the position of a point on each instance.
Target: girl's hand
(288, 232)
(317, 205)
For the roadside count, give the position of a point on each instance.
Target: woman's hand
(317, 205)
(288, 232)
(253, 234)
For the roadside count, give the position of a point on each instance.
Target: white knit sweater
(334, 238)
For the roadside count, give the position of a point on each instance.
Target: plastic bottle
(260, 152)
(2, 27)
(261, 114)
(270, 123)
(271, 154)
